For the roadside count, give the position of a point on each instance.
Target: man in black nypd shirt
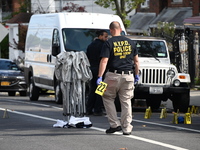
(118, 55)
(94, 103)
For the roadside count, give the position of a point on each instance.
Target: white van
(50, 34)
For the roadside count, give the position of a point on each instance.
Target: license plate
(5, 83)
(155, 90)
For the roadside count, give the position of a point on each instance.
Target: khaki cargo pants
(123, 84)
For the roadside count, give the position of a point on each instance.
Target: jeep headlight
(170, 73)
(177, 82)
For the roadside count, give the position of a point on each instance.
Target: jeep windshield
(79, 39)
(154, 49)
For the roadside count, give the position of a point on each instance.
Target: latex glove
(136, 79)
(99, 80)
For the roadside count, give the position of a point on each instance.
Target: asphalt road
(28, 125)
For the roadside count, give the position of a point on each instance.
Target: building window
(145, 4)
(6, 6)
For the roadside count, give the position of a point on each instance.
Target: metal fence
(185, 49)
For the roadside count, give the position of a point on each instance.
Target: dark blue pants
(94, 103)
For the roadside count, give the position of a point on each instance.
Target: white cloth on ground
(73, 122)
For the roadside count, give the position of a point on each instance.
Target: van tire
(58, 93)
(34, 91)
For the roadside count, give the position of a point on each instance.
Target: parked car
(12, 78)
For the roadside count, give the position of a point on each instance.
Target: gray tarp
(73, 70)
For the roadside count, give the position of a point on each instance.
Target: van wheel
(58, 93)
(11, 93)
(181, 102)
(33, 91)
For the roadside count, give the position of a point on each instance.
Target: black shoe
(113, 130)
(126, 133)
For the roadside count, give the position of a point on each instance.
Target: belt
(121, 72)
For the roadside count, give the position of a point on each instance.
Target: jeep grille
(154, 76)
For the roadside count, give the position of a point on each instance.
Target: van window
(79, 39)
(151, 49)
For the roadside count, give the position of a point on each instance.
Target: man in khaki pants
(118, 55)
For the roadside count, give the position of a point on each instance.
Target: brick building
(147, 16)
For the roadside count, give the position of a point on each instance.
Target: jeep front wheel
(181, 102)
(153, 102)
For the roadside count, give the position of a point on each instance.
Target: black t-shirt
(120, 50)
(93, 52)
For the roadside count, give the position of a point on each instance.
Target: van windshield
(151, 49)
(79, 39)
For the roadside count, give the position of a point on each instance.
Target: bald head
(115, 25)
(115, 28)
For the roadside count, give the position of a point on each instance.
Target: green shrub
(197, 81)
(4, 45)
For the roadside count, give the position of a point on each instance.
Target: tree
(121, 7)
(165, 27)
(25, 6)
(71, 7)
(20, 45)
(4, 45)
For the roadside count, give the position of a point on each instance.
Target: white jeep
(159, 79)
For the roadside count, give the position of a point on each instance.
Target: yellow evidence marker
(147, 114)
(101, 88)
(175, 118)
(163, 113)
(187, 118)
(5, 115)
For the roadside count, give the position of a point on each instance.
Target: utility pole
(196, 48)
(61, 5)
(192, 65)
(0, 11)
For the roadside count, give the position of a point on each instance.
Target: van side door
(51, 59)
(48, 67)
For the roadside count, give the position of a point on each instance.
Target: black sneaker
(126, 133)
(113, 130)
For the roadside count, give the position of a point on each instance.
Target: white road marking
(103, 130)
(169, 126)
(37, 104)
(27, 114)
(145, 140)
